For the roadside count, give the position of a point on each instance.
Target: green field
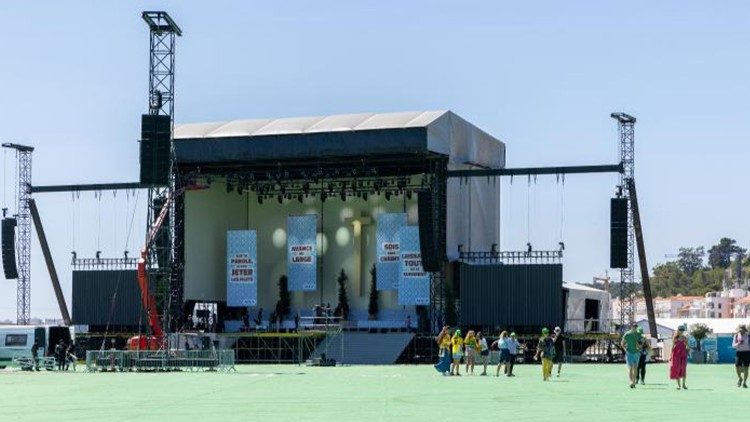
(364, 393)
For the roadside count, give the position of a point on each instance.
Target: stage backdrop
(389, 256)
(242, 268)
(414, 283)
(302, 263)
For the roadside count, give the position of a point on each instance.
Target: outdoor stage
(399, 392)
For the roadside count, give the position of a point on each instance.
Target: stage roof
(410, 134)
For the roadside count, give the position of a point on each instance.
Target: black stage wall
(523, 298)
(92, 299)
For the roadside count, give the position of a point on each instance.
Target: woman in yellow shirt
(444, 343)
(458, 351)
(472, 349)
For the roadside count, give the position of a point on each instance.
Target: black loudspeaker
(618, 237)
(427, 241)
(9, 248)
(156, 132)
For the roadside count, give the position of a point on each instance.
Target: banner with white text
(242, 268)
(302, 262)
(414, 283)
(388, 254)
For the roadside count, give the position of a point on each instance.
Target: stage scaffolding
(274, 347)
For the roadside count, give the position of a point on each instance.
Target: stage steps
(364, 348)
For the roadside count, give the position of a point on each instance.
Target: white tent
(576, 320)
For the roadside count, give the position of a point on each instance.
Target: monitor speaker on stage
(9, 248)
(156, 133)
(427, 241)
(618, 240)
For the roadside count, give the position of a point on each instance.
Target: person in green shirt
(631, 343)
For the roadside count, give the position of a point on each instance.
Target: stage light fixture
(299, 198)
(342, 195)
(387, 195)
(364, 196)
(280, 198)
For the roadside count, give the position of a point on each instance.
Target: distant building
(728, 303)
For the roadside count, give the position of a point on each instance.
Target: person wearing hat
(546, 350)
(457, 342)
(512, 352)
(741, 344)
(560, 349)
(678, 361)
(645, 349)
(631, 342)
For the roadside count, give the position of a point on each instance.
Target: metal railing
(511, 257)
(172, 360)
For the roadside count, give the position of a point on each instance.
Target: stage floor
(399, 393)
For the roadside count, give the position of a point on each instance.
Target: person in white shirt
(741, 344)
(484, 351)
(502, 345)
(513, 347)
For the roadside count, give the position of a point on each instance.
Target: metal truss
(23, 233)
(104, 263)
(626, 129)
(511, 257)
(438, 184)
(166, 284)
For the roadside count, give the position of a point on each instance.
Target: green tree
(704, 281)
(373, 308)
(668, 280)
(699, 332)
(720, 255)
(284, 304)
(343, 297)
(691, 259)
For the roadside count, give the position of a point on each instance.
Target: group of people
(65, 355)
(473, 348)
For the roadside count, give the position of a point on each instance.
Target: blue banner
(302, 260)
(388, 250)
(414, 283)
(242, 268)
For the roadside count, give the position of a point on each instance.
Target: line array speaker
(155, 149)
(427, 241)
(618, 238)
(9, 248)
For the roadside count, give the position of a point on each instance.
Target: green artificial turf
(372, 393)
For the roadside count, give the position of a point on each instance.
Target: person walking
(457, 349)
(502, 344)
(545, 350)
(444, 355)
(513, 347)
(645, 349)
(678, 361)
(560, 349)
(60, 354)
(484, 352)
(35, 354)
(70, 356)
(741, 344)
(631, 341)
(471, 345)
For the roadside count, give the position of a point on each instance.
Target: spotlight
(364, 196)
(280, 198)
(387, 195)
(342, 195)
(299, 198)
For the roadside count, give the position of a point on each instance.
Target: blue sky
(542, 76)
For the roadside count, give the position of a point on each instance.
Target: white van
(16, 340)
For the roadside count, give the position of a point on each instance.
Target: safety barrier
(160, 360)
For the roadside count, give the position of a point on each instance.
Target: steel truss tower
(626, 128)
(165, 271)
(439, 187)
(23, 242)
